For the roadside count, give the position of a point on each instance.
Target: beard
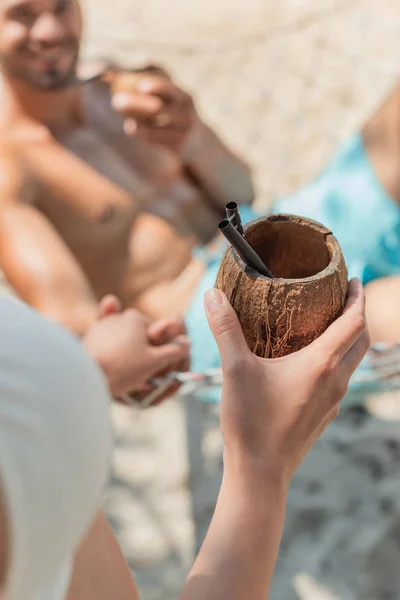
(51, 79)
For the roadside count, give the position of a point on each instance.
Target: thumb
(225, 327)
(130, 126)
(109, 305)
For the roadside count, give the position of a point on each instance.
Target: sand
(342, 534)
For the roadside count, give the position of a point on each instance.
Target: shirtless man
(98, 194)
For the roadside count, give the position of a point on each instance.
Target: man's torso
(85, 183)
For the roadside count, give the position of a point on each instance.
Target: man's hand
(273, 411)
(155, 109)
(132, 350)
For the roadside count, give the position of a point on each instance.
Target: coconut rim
(329, 239)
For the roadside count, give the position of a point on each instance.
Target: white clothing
(55, 441)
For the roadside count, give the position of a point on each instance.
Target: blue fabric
(348, 199)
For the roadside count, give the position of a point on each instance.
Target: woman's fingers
(354, 356)
(341, 336)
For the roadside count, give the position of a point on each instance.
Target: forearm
(77, 319)
(42, 270)
(223, 176)
(238, 557)
(76, 314)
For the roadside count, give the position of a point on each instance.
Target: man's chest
(152, 176)
(89, 210)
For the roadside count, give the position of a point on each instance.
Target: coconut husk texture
(283, 315)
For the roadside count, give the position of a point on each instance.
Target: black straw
(245, 251)
(233, 215)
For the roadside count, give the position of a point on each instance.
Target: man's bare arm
(222, 175)
(41, 268)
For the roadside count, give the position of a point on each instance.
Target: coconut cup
(128, 80)
(283, 315)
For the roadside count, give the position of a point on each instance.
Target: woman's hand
(131, 349)
(273, 411)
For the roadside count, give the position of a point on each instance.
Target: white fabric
(55, 440)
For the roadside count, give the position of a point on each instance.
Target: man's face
(39, 41)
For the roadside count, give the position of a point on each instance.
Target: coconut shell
(128, 81)
(283, 315)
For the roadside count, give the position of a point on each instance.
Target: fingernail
(144, 85)
(120, 101)
(130, 126)
(213, 300)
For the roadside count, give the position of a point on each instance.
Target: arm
(239, 553)
(41, 268)
(272, 412)
(218, 171)
(164, 114)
